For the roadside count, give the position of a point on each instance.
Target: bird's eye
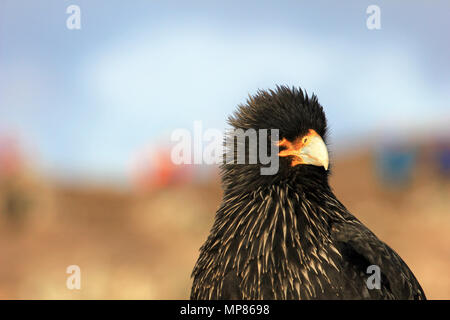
(304, 140)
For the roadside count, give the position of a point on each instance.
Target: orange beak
(309, 149)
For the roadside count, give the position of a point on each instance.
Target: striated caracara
(286, 235)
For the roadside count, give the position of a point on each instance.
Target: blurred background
(86, 117)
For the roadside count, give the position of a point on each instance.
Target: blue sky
(87, 101)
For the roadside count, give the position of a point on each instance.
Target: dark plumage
(286, 236)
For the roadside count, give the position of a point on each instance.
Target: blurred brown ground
(135, 245)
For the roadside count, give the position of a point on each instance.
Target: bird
(286, 236)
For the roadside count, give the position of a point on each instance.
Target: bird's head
(302, 126)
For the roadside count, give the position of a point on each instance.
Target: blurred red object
(156, 170)
(11, 157)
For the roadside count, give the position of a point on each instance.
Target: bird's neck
(278, 215)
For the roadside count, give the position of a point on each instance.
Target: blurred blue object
(395, 165)
(443, 159)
